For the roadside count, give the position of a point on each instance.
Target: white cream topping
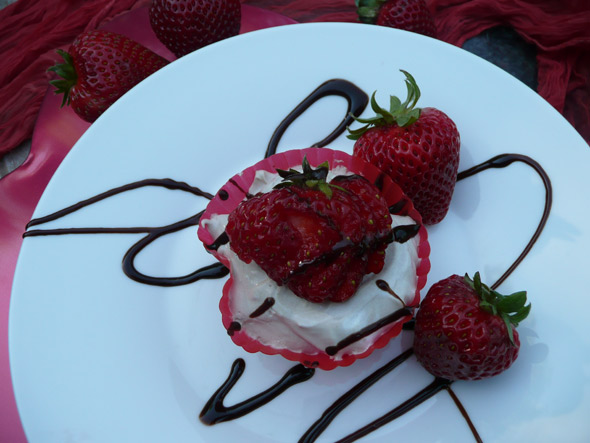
(301, 326)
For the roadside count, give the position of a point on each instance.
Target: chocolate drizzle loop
(357, 102)
(216, 412)
(339, 405)
(429, 391)
(216, 270)
(368, 330)
(502, 161)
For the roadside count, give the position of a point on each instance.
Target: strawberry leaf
(400, 114)
(511, 308)
(508, 324)
(520, 315)
(308, 177)
(368, 10)
(68, 75)
(513, 302)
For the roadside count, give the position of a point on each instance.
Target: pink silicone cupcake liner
(236, 190)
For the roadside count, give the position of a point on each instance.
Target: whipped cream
(301, 326)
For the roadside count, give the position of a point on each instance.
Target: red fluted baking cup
(237, 189)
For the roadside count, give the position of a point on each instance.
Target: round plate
(97, 356)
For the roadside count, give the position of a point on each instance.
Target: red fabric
(560, 29)
(31, 31)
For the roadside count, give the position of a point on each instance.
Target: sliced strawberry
(315, 237)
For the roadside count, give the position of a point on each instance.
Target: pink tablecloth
(558, 28)
(56, 131)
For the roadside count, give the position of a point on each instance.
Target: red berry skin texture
(184, 26)
(409, 15)
(319, 246)
(458, 340)
(101, 66)
(421, 158)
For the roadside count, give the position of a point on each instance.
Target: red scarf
(32, 29)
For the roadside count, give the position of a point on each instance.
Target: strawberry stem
(511, 308)
(68, 75)
(309, 177)
(368, 10)
(401, 114)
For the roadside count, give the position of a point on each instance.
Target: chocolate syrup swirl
(216, 270)
(368, 330)
(223, 239)
(502, 161)
(339, 405)
(429, 391)
(265, 306)
(233, 327)
(216, 412)
(357, 102)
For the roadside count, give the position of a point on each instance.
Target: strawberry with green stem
(418, 148)
(466, 331)
(409, 15)
(184, 26)
(98, 68)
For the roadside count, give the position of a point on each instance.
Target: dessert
(310, 300)
(215, 411)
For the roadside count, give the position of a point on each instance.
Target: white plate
(98, 357)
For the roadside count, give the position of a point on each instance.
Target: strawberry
(466, 331)
(417, 148)
(409, 15)
(317, 238)
(99, 67)
(184, 26)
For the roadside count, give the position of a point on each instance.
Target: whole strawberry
(417, 148)
(466, 331)
(98, 68)
(184, 26)
(318, 238)
(409, 15)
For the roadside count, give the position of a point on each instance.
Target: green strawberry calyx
(511, 308)
(309, 177)
(68, 75)
(368, 10)
(401, 114)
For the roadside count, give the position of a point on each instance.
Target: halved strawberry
(314, 236)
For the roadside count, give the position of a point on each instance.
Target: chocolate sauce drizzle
(502, 161)
(437, 384)
(368, 330)
(215, 270)
(265, 306)
(215, 411)
(357, 102)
